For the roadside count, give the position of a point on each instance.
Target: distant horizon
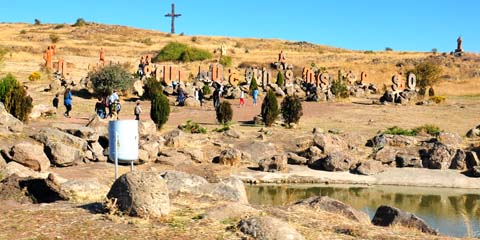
(372, 25)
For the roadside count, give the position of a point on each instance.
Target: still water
(454, 212)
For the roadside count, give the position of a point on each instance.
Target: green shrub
(224, 112)
(7, 83)
(339, 89)
(59, 26)
(160, 109)
(427, 73)
(191, 127)
(34, 76)
(225, 127)
(152, 87)
(226, 61)
(253, 85)
(206, 90)
(54, 38)
(80, 23)
(109, 78)
(280, 79)
(422, 91)
(400, 131)
(18, 103)
(23, 31)
(175, 51)
(388, 49)
(269, 108)
(438, 99)
(194, 39)
(37, 21)
(431, 129)
(291, 109)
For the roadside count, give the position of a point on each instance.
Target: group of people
(112, 103)
(197, 94)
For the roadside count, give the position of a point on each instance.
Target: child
(255, 96)
(242, 98)
(100, 108)
(55, 101)
(138, 110)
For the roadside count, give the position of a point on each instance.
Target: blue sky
(408, 25)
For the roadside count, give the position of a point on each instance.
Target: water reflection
(451, 211)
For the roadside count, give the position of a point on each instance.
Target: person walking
(100, 108)
(67, 101)
(255, 96)
(138, 110)
(242, 98)
(200, 97)
(216, 98)
(55, 101)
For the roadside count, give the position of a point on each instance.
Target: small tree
(160, 109)
(224, 112)
(206, 90)
(388, 49)
(226, 61)
(152, 87)
(339, 89)
(434, 50)
(427, 73)
(109, 78)
(80, 23)
(269, 108)
(280, 79)
(18, 103)
(37, 21)
(7, 83)
(291, 109)
(54, 38)
(253, 85)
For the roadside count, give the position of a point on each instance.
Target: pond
(454, 212)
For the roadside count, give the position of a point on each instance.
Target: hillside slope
(80, 46)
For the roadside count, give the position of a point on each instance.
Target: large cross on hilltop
(173, 16)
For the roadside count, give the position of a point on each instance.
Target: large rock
(49, 136)
(146, 127)
(231, 189)
(387, 216)
(175, 138)
(230, 211)
(338, 161)
(370, 167)
(293, 158)
(141, 194)
(276, 163)
(30, 155)
(22, 171)
(151, 147)
(400, 140)
(330, 143)
(191, 102)
(458, 160)
(172, 157)
(230, 157)
(264, 228)
(196, 154)
(439, 157)
(97, 151)
(303, 143)
(257, 150)
(9, 123)
(39, 190)
(86, 133)
(335, 206)
(42, 110)
(450, 139)
(408, 160)
(85, 189)
(63, 155)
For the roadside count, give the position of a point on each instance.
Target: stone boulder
(293, 158)
(191, 102)
(138, 88)
(232, 133)
(97, 151)
(335, 206)
(85, 189)
(387, 216)
(400, 140)
(230, 157)
(63, 155)
(257, 150)
(151, 147)
(175, 138)
(8, 123)
(370, 167)
(276, 163)
(146, 127)
(172, 157)
(439, 156)
(458, 160)
(408, 160)
(141, 194)
(450, 139)
(22, 171)
(39, 190)
(230, 211)
(49, 136)
(338, 161)
(474, 172)
(30, 155)
(330, 143)
(303, 143)
(86, 133)
(196, 154)
(231, 189)
(168, 90)
(268, 228)
(42, 110)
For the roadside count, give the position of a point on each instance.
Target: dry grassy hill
(81, 45)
